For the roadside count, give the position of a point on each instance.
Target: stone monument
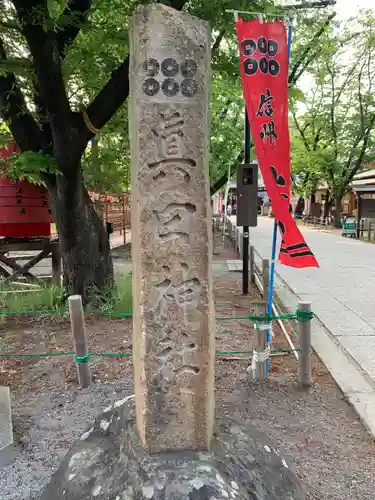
(174, 320)
(160, 444)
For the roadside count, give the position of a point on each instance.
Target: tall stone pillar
(174, 324)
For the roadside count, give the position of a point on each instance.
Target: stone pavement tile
(365, 311)
(343, 323)
(336, 316)
(362, 350)
(346, 373)
(364, 404)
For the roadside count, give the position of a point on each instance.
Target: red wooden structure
(113, 209)
(24, 207)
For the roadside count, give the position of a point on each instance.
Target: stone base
(109, 463)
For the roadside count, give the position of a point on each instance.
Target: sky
(349, 8)
(345, 9)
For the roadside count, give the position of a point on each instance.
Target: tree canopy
(93, 60)
(64, 82)
(334, 122)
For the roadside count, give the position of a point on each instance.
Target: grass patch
(116, 299)
(16, 299)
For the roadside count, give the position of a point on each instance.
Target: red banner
(263, 51)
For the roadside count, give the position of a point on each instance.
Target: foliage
(5, 135)
(98, 50)
(227, 100)
(334, 122)
(29, 166)
(101, 47)
(117, 298)
(12, 298)
(226, 122)
(64, 82)
(106, 162)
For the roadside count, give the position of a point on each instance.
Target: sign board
(247, 194)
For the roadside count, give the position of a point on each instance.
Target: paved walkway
(342, 293)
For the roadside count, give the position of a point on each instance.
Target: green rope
(77, 359)
(34, 355)
(27, 313)
(232, 353)
(81, 360)
(301, 316)
(286, 350)
(112, 354)
(304, 316)
(110, 313)
(86, 359)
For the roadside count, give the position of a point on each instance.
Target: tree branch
(332, 111)
(109, 99)
(116, 91)
(311, 5)
(15, 65)
(175, 4)
(224, 111)
(301, 60)
(13, 110)
(70, 23)
(316, 140)
(360, 100)
(33, 15)
(68, 26)
(359, 160)
(10, 25)
(365, 144)
(217, 42)
(224, 178)
(301, 132)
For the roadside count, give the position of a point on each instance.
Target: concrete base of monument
(109, 463)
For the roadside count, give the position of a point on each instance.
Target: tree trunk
(300, 207)
(338, 199)
(327, 207)
(84, 243)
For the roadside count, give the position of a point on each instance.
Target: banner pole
(274, 235)
(245, 234)
(245, 240)
(225, 205)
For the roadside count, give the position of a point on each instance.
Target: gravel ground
(318, 431)
(49, 410)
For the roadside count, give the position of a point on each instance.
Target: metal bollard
(77, 322)
(304, 336)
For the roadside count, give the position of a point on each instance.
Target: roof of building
(366, 175)
(363, 182)
(363, 189)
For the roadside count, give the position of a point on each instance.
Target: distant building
(363, 194)
(217, 199)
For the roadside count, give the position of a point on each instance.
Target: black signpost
(245, 248)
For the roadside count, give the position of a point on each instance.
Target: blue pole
(274, 236)
(290, 35)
